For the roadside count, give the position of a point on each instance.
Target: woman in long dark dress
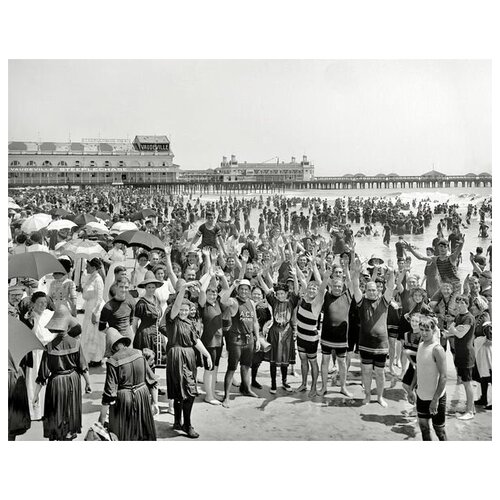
(130, 391)
(147, 315)
(19, 409)
(62, 364)
(181, 360)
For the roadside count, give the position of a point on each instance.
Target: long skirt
(63, 406)
(131, 417)
(181, 373)
(19, 410)
(92, 340)
(31, 375)
(280, 339)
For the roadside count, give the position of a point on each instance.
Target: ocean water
(372, 245)
(460, 196)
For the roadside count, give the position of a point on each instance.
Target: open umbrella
(82, 249)
(13, 206)
(96, 227)
(102, 215)
(35, 223)
(10, 199)
(21, 340)
(33, 265)
(140, 239)
(60, 224)
(82, 219)
(61, 212)
(144, 214)
(119, 227)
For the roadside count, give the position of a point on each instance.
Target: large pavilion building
(234, 171)
(146, 160)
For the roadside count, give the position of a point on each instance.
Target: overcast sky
(347, 116)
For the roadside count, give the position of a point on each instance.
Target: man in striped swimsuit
(373, 335)
(308, 312)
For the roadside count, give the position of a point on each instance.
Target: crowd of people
(280, 291)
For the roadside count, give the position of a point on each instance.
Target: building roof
(433, 173)
(17, 146)
(470, 175)
(104, 147)
(485, 174)
(47, 146)
(348, 175)
(359, 175)
(151, 139)
(381, 175)
(393, 175)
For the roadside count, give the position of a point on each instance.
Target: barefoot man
(240, 339)
(334, 332)
(308, 312)
(373, 336)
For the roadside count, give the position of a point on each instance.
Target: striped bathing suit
(307, 329)
(448, 272)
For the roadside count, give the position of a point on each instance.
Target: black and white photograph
(250, 250)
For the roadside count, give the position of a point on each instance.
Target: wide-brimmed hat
(113, 336)
(372, 262)
(61, 320)
(149, 279)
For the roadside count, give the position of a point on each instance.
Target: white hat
(245, 282)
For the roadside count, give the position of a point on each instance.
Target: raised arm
(262, 283)
(418, 255)
(348, 280)
(318, 301)
(178, 301)
(355, 273)
(168, 264)
(401, 276)
(475, 266)
(204, 281)
(389, 286)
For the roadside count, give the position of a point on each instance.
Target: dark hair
(67, 264)
(95, 263)
(36, 237)
(119, 269)
(123, 279)
(143, 254)
(281, 286)
(479, 250)
(158, 268)
(21, 238)
(37, 295)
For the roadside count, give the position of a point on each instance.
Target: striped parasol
(82, 249)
